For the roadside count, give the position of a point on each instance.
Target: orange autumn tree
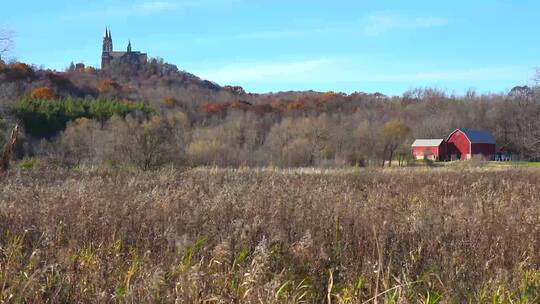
(214, 108)
(19, 71)
(169, 101)
(110, 89)
(43, 93)
(107, 85)
(299, 105)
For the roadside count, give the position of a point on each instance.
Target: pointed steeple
(107, 41)
(129, 46)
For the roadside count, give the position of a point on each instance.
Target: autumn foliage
(108, 85)
(304, 104)
(18, 71)
(169, 101)
(296, 105)
(214, 108)
(43, 93)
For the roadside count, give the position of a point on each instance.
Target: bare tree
(536, 77)
(394, 134)
(5, 42)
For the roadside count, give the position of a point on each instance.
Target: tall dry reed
(256, 236)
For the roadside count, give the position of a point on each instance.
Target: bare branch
(6, 41)
(536, 77)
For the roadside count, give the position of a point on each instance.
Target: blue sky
(262, 45)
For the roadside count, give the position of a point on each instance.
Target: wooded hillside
(74, 115)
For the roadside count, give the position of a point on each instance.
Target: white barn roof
(427, 142)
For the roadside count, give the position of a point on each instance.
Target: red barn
(464, 144)
(432, 149)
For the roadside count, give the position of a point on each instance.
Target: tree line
(160, 115)
(378, 133)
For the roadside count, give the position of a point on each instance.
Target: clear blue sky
(386, 46)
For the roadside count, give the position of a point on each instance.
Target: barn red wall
(440, 152)
(458, 142)
(485, 149)
(425, 150)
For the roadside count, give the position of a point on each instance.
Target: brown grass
(247, 236)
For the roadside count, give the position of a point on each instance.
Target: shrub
(42, 93)
(83, 140)
(28, 163)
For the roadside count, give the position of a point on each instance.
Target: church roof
(117, 54)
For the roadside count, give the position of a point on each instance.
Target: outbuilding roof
(427, 142)
(478, 137)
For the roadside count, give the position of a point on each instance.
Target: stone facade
(108, 56)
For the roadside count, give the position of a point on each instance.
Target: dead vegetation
(248, 236)
(9, 147)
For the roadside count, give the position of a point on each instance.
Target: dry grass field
(268, 236)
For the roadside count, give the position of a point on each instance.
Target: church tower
(107, 49)
(109, 58)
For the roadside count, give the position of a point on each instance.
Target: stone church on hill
(108, 56)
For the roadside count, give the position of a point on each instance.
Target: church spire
(129, 46)
(107, 41)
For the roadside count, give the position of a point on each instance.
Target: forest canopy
(190, 121)
(45, 118)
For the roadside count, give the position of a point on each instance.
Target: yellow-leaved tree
(395, 132)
